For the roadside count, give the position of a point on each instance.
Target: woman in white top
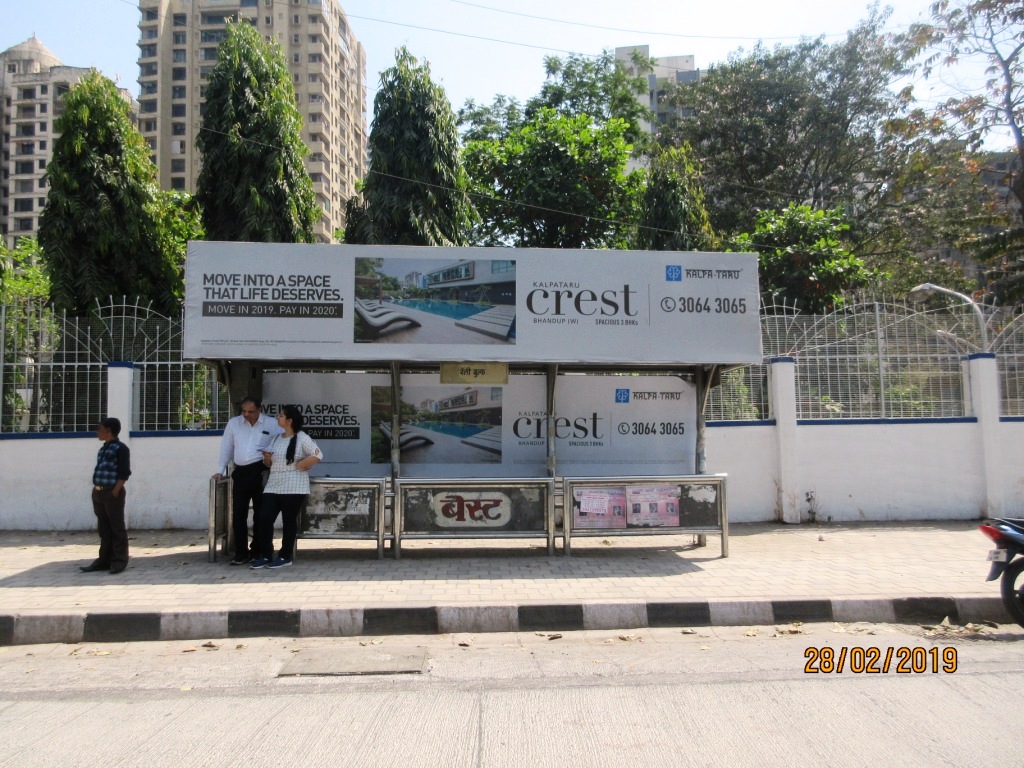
(290, 457)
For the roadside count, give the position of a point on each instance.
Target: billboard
(277, 301)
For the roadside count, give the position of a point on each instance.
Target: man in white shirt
(245, 438)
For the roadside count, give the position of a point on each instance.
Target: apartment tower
(178, 42)
(32, 86)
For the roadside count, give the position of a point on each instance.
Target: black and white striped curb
(98, 627)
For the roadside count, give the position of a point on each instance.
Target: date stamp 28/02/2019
(873, 660)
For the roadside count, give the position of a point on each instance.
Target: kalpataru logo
(472, 509)
(564, 303)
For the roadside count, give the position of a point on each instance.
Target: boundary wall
(782, 468)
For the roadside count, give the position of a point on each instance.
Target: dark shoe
(241, 560)
(262, 562)
(118, 568)
(93, 567)
(279, 562)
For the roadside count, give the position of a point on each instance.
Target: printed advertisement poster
(337, 411)
(272, 301)
(331, 509)
(651, 506)
(600, 507)
(625, 425)
(468, 430)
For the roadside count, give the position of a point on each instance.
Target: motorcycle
(1007, 562)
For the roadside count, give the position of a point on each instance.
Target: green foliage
(253, 186)
(802, 258)
(672, 214)
(819, 124)
(555, 182)
(416, 190)
(23, 276)
(97, 229)
(991, 32)
(178, 220)
(600, 87)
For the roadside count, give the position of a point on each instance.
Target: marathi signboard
(272, 301)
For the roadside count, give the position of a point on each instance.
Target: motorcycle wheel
(1013, 594)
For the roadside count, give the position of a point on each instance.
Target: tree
(818, 124)
(97, 229)
(672, 212)
(23, 276)
(601, 87)
(253, 185)
(990, 31)
(178, 220)
(416, 190)
(555, 182)
(802, 258)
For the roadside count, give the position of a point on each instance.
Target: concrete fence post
(984, 404)
(782, 408)
(120, 395)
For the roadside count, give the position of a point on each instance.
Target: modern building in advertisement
(178, 42)
(491, 280)
(668, 70)
(33, 82)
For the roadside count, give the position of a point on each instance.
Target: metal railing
(869, 359)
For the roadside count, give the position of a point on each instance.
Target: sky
(480, 48)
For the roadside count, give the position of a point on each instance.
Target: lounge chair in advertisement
(408, 438)
(381, 320)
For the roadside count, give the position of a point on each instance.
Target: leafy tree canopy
(416, 189)
(98, 230)
(990, 32)
(253, 185)
(672, 212)
(802, 257)
(555, 182)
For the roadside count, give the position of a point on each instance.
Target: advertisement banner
(334, 508)
(337, 410)
(469, 430)
(273, 301)
(605, 425)
(625, 425)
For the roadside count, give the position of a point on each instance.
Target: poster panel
(272, 301)
(652, 506)
(686, 503)
(460, 509)
(625, 425)
(599, 507)
(337, 408)
(467, 430)
(336, 508)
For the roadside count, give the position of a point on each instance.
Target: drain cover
(356, 660)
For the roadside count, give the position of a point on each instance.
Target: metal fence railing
(869, 359)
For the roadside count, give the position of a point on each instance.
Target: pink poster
(599, 507)
(652, 506)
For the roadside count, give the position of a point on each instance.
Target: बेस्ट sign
(273, 301)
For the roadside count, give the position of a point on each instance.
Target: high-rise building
(668, 70)
(32, 82)
(178, 42)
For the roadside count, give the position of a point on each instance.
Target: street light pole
(922, 292)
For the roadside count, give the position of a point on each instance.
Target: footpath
(775, 574)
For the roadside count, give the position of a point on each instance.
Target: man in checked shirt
(113, 468)
(245, 438)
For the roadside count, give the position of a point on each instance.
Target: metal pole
(881, 360)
